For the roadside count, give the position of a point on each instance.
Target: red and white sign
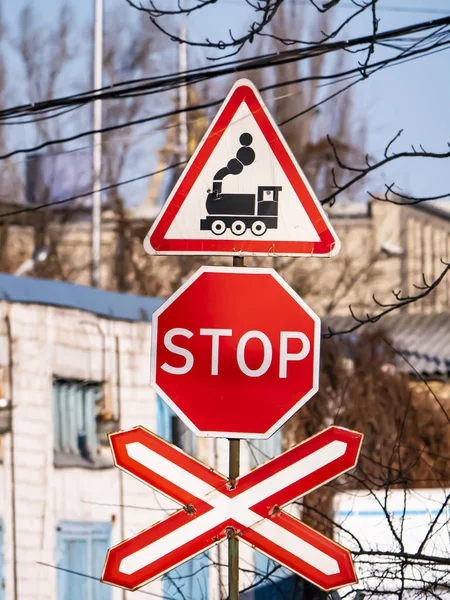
(235, 352)
(212, 510)
(242, 192)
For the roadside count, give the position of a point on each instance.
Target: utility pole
(182, 100)
(97, 146)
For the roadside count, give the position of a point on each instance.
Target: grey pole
(233, 542)
(97, 146)
(183, 100)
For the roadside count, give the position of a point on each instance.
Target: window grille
(74, 417)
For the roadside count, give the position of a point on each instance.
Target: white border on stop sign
(287, 415)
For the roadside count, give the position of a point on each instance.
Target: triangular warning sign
(242, 192)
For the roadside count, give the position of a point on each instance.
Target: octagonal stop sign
(235, 352)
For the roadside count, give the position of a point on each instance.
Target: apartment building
(74, 365)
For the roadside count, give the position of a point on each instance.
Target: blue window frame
(2, 577)
(262, 450)
(74, 417)
(81, 553)
(287, 587)
(171, 428)
(189, 581)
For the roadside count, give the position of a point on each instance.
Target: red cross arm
(157, 463)
(136, 450)
(252, 508)
(336, 565)
(118, 572)
(313, 463)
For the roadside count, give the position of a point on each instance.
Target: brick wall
(48, 342)
(51, 341)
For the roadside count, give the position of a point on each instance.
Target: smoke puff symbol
(244, 156)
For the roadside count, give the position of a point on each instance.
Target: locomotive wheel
(218, 227)
(259, 228)
(238, 227)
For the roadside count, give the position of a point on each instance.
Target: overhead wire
(141, 177)
(63, 112)
(107, 129)
(410, 9)
(376, 66)
(105, 188)
(392, 8)
(405, 55)
(118, 138)
(380, 7)
(158, 84)
(168, 168)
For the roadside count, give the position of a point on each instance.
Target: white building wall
(50, 341)
(372, 517)
(47, 342)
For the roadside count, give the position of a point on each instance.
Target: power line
(141, 177)
(178, 164)
(355, 71)
(28, 209)
(162, 128)
(403, 9)
(86, 576)
(77, 136)
(159, 84)
(38, 119)
(382, 7)
(404, 56)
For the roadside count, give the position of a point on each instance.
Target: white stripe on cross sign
(212, 508)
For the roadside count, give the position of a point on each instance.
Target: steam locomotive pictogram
(239, 212)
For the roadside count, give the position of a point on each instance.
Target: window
(2, 580)
(262, 450)
(190, 580)
(281, 587)
(82, 548)
(171, 428)
(74, 412)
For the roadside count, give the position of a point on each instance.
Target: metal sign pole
(233, 542)
(233, 473)
(97, 148)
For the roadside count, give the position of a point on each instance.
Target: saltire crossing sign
(212, 509)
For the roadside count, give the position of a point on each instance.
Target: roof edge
(48, 292)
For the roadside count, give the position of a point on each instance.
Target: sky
(413, 96)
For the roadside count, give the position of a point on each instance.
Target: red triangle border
(325, 247)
